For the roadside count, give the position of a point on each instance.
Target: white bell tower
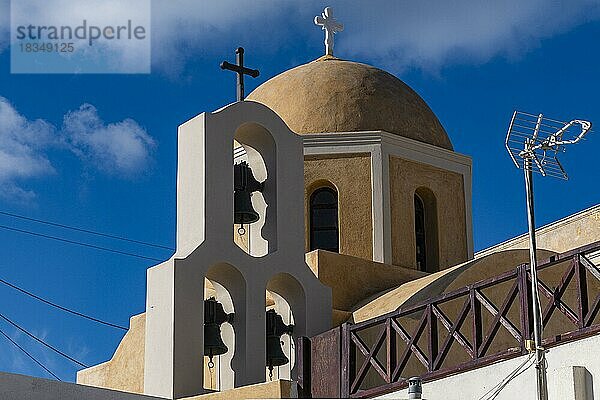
(174, 362)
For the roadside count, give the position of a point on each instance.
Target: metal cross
(330, 26)
(240, 70)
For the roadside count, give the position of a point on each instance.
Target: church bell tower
(175, 362)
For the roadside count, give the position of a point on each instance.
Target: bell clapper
(241, 230)
(271, 373)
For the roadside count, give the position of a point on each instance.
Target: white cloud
(14, 193)
(432, 33)
(22, 151)
(122, 148)
(125, 55)
(190, 29)
(426, 33)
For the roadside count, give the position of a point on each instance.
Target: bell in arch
(214, 317)
(275, 329)
(244, 185)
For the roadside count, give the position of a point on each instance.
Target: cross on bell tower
(240, 70)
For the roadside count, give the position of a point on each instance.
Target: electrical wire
(29, 355)
(61, 307)
(107, 235)
(43, 342)
(79, 243)
(495, 391)
(495, 395)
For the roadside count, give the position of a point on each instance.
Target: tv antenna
(534, 142)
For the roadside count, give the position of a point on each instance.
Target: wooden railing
(472, 326)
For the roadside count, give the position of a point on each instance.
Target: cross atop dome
(330, 26)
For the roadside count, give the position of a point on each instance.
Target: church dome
(333, 95)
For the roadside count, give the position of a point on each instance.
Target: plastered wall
(568, 233)
(351, 176)
(405, 178)
(125, 371)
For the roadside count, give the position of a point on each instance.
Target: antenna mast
(533, 143)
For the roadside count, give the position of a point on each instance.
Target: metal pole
(540, 356)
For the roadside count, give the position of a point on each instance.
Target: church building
(325, 249)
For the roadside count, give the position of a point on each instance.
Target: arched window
(324, 232)
(420, 233)
(426, 230)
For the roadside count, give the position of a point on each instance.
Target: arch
(261, 155)
(228, 286)
(319, 183)
(290, 302)
(283, 308)
(323, 208)
(426, 230)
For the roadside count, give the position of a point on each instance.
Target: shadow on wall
(474, 271)
(589, 385)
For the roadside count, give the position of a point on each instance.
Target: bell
(275, 355)
(213, 344)
(244, 185)
(214, 316)
(243, 211)
(275, 329)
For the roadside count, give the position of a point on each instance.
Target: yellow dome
(333, 95)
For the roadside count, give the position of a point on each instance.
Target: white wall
(564, 382)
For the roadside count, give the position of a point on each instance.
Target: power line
(29, 355)
(79, 243)
(42, 342)
(85, 230)
(495, 391)
(61, 307)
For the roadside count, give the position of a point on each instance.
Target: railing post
(524, 308)
(476, 322)
(348, 363)
(432, 337)
(582, 295)
(391, 349)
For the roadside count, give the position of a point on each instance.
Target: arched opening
(282, 308)
(324, 225)
(225, 284)
(285, 296)
(426, 230)
(254, 145)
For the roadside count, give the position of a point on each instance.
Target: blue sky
(99, 151)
